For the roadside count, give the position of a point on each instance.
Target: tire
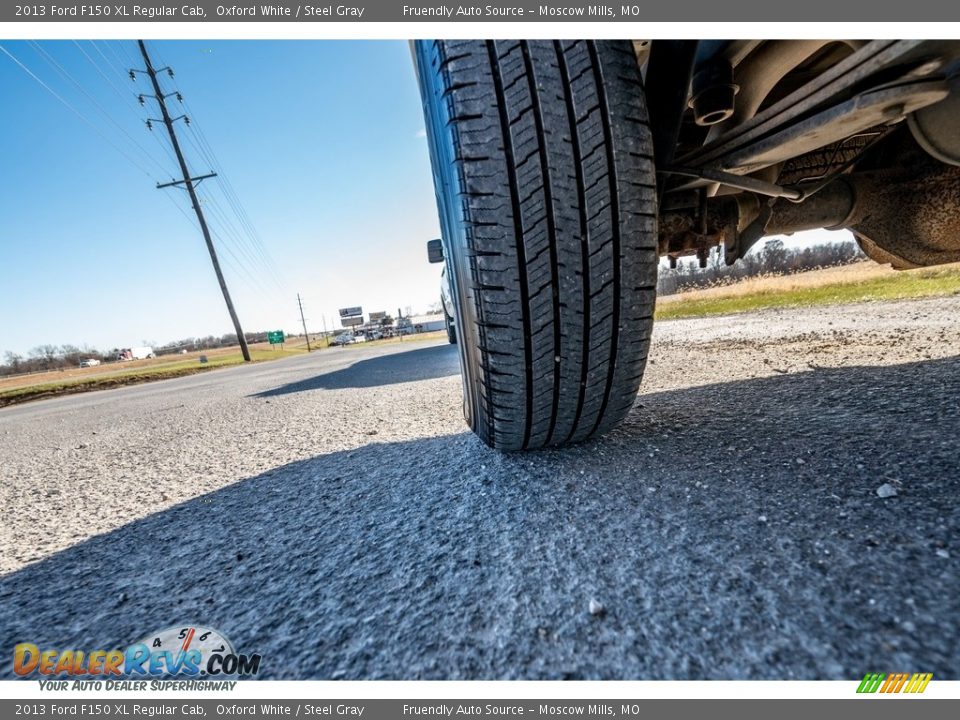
(542, 163)
(451, 329)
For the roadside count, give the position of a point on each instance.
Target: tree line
(773, 258)
(44, 358)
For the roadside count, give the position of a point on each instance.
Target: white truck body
(137, 353)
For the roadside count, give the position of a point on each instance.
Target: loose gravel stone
(418, 553)
(886, 491)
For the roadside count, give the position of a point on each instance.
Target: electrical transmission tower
(189, 182)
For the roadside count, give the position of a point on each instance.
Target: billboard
(377, 316)
(351, 321)
(351, 312)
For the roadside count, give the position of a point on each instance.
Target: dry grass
(858, 282)
(20, 389)
(852, 273)
(23, 388)
(263, 351)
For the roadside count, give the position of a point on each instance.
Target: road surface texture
(781, 503)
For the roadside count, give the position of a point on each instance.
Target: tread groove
(518, 233)
(584, 247)
(551, 232)
(614, 227)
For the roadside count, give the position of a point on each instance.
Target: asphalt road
(332, 513)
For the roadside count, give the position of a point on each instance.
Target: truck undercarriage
(781, 136)
(566, 170)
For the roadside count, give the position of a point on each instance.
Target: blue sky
(322, 143)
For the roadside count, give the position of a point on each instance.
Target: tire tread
(553, 162)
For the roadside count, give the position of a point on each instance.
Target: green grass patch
(928, 282)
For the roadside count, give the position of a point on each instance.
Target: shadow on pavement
(730, 531)
(423, 363)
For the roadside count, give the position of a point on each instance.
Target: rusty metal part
(738, 222)
(909, 217)
(695, 229)
(737, 244)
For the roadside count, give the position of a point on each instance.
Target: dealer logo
(887, 683)
(191, 651)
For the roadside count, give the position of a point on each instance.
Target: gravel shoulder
(331, 512)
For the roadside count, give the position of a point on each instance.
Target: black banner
(577, 11)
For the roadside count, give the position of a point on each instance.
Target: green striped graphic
(871, 682)
(893, 683)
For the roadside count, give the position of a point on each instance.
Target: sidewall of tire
(446, 185)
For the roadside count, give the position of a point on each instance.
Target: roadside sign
(377, 316)
(275, 337)
(351, 312)
(351, 321)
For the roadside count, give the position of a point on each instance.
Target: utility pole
(305, 333)
(190, 183)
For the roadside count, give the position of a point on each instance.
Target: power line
(246, 251)
(106, 114)
(243, 243)
(128, 98)
(248, 254)
(188, 182)
(131, 103)
(236, 266)
(230, 195)
(198, 139)
(76, 112)
(229, 192)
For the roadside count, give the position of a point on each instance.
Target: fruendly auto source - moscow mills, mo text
(540, 11)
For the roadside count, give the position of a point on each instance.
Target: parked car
(344, 339)
(565, 170)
